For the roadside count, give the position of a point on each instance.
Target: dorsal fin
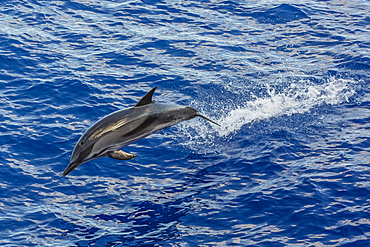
(147, 99)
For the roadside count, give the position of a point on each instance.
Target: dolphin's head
(82, 152)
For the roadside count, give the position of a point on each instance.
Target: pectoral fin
(121, 155)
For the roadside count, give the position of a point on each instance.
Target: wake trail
(297, 98)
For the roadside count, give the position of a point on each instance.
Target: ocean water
(287, 80)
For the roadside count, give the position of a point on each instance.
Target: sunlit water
(287, 82)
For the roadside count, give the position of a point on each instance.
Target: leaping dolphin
(123, 127)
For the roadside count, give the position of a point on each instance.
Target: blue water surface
(287, 80)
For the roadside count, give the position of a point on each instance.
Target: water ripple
(287, 81)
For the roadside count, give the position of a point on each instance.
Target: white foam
(298, 98)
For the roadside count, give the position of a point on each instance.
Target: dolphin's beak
(70, 168)
(200, 115)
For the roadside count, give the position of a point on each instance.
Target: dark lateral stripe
(142, 126)
(85, 154)
(102, 152)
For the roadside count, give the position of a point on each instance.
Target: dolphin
(123, 127)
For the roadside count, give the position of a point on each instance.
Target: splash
(297, 98)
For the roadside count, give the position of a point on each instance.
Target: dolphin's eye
(82, 143)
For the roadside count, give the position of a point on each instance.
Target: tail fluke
(200, 115)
